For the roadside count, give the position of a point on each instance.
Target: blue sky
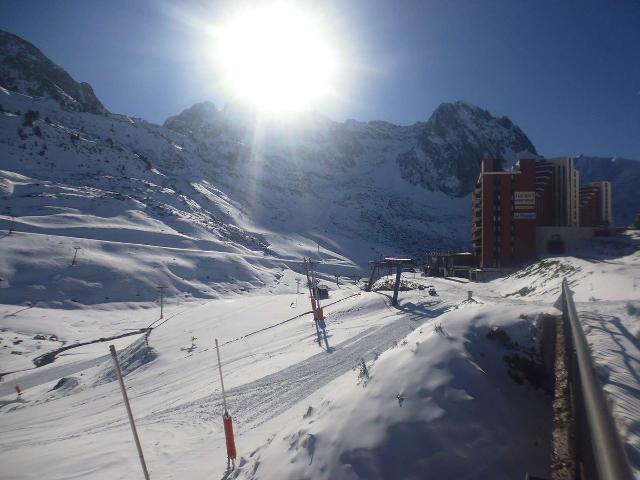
(567, 72)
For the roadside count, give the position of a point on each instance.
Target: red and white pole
(227, 421)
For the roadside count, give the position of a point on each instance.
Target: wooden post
(162, 289)
(114, 355)
(75, 255)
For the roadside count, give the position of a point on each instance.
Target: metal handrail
(610, 457)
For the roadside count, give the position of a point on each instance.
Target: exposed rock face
(442, 154)
(201, 118)
(25, 69)
(454, 141)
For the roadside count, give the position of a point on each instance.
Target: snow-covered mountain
(229, 182)
(25, 69)
(454, 141)
(442, 154)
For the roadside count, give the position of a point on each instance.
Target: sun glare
(276, 57)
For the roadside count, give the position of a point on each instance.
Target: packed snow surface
(437, 397)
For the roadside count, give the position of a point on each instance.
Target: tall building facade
(509, 206)
(595, 205)
(544, 192)
(504, 214)
(558, 192)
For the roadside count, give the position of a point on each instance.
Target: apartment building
(504, 214)
(595, 205)
(535, 207)
(558, 192)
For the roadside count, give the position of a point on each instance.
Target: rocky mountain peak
(453, 142)
(459, 117)
(25, 69)
(442, 154)
(200, 117)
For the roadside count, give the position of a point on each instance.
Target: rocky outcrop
(25, 69)
(452, 144)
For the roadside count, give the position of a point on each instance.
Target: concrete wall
(488, 274)
(573, 237)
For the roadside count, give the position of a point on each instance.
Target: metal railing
(599, 450)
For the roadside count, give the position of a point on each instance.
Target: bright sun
(276, 58)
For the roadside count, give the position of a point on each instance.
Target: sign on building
(525, 200)
(524, 215)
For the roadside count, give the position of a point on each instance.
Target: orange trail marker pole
(227, 421)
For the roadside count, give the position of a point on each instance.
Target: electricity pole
(162, 289)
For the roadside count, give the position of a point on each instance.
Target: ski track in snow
(38, 377)
(267, 397)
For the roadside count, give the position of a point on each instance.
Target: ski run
(401, 390)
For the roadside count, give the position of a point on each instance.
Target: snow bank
(606, 270)
(439, 404)
(606, 285)
(136, 355)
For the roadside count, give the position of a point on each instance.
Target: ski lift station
(448, 264)
(376, 268)
(322, 291)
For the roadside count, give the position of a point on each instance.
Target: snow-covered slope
(219, 181)
(272, 378)
(441, 404)
(79, 179)
(437, 379)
